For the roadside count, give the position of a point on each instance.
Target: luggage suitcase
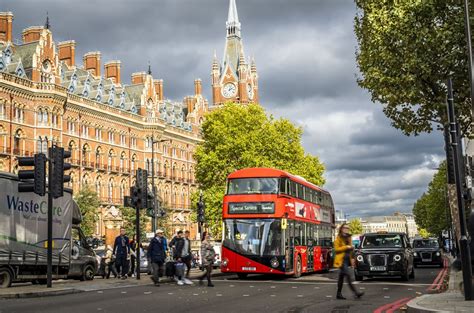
(170, 268)
(179, 269)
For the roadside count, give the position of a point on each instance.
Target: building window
(123, 140)
(133, 142)
(98, 134)
(111, 137)
(18, 114)
(85, 131)
(2, 109)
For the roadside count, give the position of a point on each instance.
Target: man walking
(121, 252)
(156, 253)
(179, 253)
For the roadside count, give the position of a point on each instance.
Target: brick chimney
(6, 25)
(67, 52)
(197, 86)
(138, 78)
(32, 33)
(159, 88)
(92, 62)
(112, 70)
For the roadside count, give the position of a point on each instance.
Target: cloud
(305, 54)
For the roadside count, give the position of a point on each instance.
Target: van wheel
(297, 268)
(88, 273)
(242, 275)
(6, 278)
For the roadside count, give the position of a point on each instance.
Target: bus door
(310, 247)
(289, 246)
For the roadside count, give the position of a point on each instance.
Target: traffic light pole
(137, 242)
(50, 219)
(153, 218)
(463, 241)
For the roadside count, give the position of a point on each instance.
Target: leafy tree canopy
(430, 209)
(407, 51)
(237, 137)
(129, 218)
(355, 226)
(88, 202)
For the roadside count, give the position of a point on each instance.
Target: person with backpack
(207, 255)
(343, 260)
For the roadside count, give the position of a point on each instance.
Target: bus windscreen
(252, 186)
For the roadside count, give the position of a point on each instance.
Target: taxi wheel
(359, 277)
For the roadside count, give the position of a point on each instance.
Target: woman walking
(207, 255)
(343, 260)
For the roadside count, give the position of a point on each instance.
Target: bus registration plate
(377, 268)
(249, 268)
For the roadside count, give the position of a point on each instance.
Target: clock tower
(235, 79)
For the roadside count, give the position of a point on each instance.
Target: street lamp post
(153, 141)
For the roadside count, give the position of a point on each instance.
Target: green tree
(423, 233)
(236, 137)
(430, 208)
(129, 218)
(355, 226)
(407, 51)
(88, 202)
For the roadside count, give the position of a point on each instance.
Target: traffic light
(142, 185)
(150, 212)
(150, 207)
(133, 197)
(37, 174)
(58, 155)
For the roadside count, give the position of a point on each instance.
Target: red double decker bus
(275, 223)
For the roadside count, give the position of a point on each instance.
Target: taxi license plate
(249, 268)
(377, 268)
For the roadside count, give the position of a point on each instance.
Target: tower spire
(47, 25)
(233, 24)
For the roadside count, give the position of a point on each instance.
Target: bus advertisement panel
(275, 222)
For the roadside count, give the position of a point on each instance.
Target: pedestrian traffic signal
(37, 174)
(58, 155)
(150, 212)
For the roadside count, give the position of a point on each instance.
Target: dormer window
(8, 54)
(2, 64)
(134, 109)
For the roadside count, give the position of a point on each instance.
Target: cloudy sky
(305, 55)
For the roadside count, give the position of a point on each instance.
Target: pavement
(64, 287)
(446, 296)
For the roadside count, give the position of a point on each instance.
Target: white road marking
(386, 297)
(195, 294)
(100, 291)
(300, 296)
(251, 286)
(272, 295)
(123, 292)
(170, 293)
(328, 296)
(385, 289)
(410, 288)
(273, 287)
(147, 292)
(245, 295)
(294, 287)
(362, 288)
(218, 295)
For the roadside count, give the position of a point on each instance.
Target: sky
(305, 56)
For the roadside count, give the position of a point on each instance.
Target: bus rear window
(252, 186)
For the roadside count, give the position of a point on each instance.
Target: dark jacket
(156, 251)
(120, 250)
(178, 244)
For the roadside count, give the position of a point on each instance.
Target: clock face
(229, 90)
(250, 91)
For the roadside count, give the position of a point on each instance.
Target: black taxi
(384, 254)
(427, 252)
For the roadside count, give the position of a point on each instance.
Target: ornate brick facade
(107, 125)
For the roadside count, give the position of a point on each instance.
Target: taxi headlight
(360, 258)
(438, 254)
(415, 254)
(274, 262)
(397, 257)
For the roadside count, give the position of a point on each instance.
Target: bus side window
(283, 184)
(297, 233)
(309, 234)
(293, 189)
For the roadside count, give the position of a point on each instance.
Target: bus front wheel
(242, 275)
(297, 268)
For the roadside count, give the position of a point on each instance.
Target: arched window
(122, 161)
(17, 141)
(123, 186)
(98, 186)
(98, 156)
(134, 160)
(111, 191)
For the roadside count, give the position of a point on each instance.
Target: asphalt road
(258, 293)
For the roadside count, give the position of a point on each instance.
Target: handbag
(179, 269)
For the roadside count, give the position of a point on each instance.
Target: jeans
(121, 264)
(344, 272)
(187, 260)
(207, 274)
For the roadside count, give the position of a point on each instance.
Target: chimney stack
(92, 62)
(6, 25)
(67, 52)
(32, 33)
(197, 86)
(138, 78)
(112, 70)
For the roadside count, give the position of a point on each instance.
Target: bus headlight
(397, 257)
(225, 262)
(274, 262)
(360, 258)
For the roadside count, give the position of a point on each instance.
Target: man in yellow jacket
(343, 260)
